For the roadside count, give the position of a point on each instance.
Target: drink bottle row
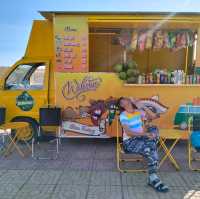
(168, 77)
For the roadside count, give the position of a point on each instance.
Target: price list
(71, 46)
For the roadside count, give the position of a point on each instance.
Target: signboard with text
(71, 44)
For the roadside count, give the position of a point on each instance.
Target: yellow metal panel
(8, 97)
(40, 42)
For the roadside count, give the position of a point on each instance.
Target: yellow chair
(191, 150)
(122, 156)
(175, 135)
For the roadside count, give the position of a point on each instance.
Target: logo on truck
(25, 101)
(76, 88)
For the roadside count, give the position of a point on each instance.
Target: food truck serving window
(164, 49)
(26, 76)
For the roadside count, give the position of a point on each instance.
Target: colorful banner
(71, 44)
(89, 102)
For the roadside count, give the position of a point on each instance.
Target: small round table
(23, 133)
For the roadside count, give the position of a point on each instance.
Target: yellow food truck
(83, 62)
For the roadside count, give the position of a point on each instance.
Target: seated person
(137, 139)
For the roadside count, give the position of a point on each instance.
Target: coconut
(130, 72)
(132, 64)
(118, 68)
(122, 75)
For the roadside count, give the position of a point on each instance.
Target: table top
(14, 125)
(174, 134)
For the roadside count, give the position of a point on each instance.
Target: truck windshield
(26, 76)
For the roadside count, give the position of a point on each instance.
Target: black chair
(48, 117)
(2, 115)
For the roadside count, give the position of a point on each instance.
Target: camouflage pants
(145, 147)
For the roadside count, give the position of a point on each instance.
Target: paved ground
(86, 169)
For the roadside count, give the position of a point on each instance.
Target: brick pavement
(86, 169)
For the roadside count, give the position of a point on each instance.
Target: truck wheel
(34, 126)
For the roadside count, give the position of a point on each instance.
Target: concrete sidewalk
(86, 169)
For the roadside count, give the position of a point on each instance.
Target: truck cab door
(26, 89)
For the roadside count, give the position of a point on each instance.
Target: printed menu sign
(71, 44)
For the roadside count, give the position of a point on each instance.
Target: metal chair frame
(53, 121)
(120, 152)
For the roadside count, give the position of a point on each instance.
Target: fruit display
(128, 72)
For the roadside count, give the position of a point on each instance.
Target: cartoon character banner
(90, 102)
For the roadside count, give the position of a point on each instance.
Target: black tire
(33, 125)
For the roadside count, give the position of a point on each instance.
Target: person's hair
(121, 109)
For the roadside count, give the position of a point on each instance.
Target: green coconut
(132, 64)
(133, 72)
(118, 68)
(122, 75)
(130, 72)
(132, 80)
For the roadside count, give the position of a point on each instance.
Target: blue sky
(16, 17)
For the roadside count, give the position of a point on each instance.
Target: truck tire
(33, 125)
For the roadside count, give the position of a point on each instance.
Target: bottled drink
(158, 77)
(168, 77)
(194, 79)
(172, 78)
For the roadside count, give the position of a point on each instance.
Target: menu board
(71, 44)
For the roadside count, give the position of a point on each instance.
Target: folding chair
(48, 117)
(122, 156)
(194, 129)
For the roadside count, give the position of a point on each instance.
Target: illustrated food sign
(71, 44)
